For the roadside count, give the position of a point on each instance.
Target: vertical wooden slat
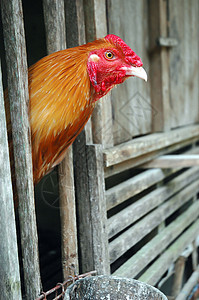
(75, 35)
(56, 40)
(89, 188)
(12, 17)
(54, 25)
(97, 207)
(131, 103)
(10, 284)
(159, 67)
(183, 65)
(95, 19)
(178, 276)
(93, 239)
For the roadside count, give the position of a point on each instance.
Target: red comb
(131, 56)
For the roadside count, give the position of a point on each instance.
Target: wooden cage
(129, 185)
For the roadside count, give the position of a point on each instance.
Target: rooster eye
(109, 55)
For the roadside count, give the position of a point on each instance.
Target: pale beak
(136, 71)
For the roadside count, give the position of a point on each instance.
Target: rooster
(63, 90)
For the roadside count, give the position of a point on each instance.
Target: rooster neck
(61, 102)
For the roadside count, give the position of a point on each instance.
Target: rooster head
(111, 64)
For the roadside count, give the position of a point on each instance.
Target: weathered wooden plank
(133, 186)
(183, 16)
(178, 276)
(68, 216)
(98, 209)
(173, 161)
(10, 284)
(138, 161)
(95, 19)
(146, 144)
(194, 256)
(160, 266)
(133, 212)
(159, 71)
(75, 35)
(54, 20)
(137, 263)
(131, 103)
(91, 209)
(12, 17)
(54, 16)
(135, 233)
(189, 285)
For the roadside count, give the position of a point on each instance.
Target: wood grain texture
(159, 65)
(70, 262)
(135, 233)
(139, 261)
(75, 36)
(155, 272)
(54, 20)
(183, 65)
(131, 187)
(54, 16)
(12, 17)
(91, 208)
(189, 285)
(131, 101)
(10, 283)
(141, 160)
(95, 20)
(173, 161)
(137, 210)
(149, 143)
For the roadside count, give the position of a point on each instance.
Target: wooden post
(91, 208)
(159, 71)
(54, 25)
(178, 277)
(75, 35)
(95, 20)
(10, 284)
(12, 17)
(56, 40)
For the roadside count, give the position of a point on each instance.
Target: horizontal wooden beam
(147, 144)
(173, 161)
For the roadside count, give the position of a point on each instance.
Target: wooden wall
(131, 102)
(120, 211)
(183, 64)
